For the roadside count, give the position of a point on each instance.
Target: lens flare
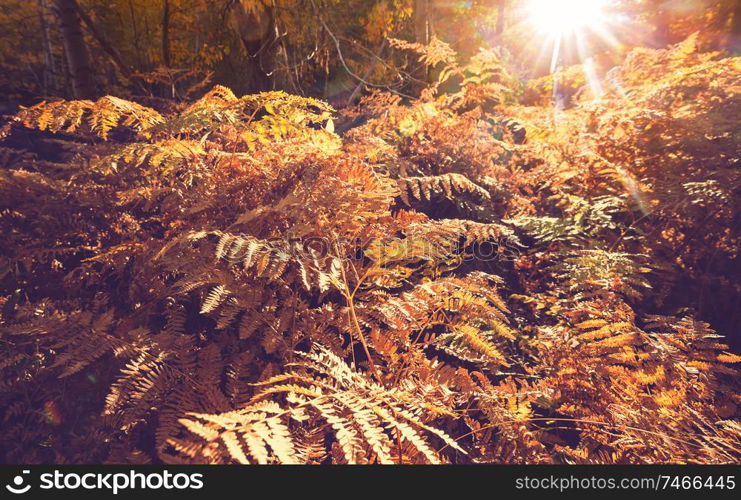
(569, 25)
(570, 19)
(560, 17)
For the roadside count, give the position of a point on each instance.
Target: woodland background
(317, 48)
(368, 231)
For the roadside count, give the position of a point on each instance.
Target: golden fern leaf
(469, 343)
(102, 115)
(53, 116)
(108, 112)
(159, 162)
(362, 415)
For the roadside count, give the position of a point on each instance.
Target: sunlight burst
(559, 20)
(560, 17)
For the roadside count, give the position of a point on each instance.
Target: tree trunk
(422, 21)
(78, 60)
(135, 33)
(735, 39)
(257, 32)
(501, 11)
(107, 47)
(422, 34)
(166, 33)
(49, 63)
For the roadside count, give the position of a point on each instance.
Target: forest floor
(454, 279)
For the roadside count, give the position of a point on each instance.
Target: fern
(449, 185)
(366, 418)
(232, 282)
(102, 116)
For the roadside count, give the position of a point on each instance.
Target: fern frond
(102, 116)
(362, 414)
(448, 185)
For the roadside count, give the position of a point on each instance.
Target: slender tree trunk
(735, 37)
(49, 63)
(107, 47)
(422, 21)
(166, 33)
(368, 73)
(135, 33)
(422, 34)
(501, 12)
(78, 59)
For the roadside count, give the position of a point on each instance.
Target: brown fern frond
(364, 418)
(448, 185)
(102, 116)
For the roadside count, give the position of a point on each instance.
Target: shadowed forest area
(370, 231)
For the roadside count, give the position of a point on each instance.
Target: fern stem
(353, 316)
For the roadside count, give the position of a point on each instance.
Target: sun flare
(560, 17)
